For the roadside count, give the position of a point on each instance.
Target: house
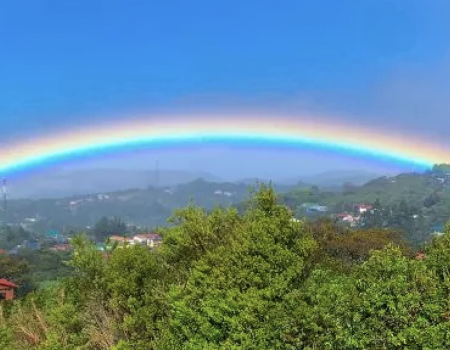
(316, 208)
(118, 239)
(121, 241)
(362, 208)
(64, 247)
(7, 289)
(152, 240)
(342, 216)
(32, 244)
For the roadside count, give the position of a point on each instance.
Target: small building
(341, 216)
(362, 208)
(63, 247)
(53, 235)
(152, 240)
(7, 289)
(33, 244)
(118, 239)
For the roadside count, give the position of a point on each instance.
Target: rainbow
(244, 129)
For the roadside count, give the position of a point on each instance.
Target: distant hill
(149, 207)
(412, 187)
(335, 179)
(427, 194)
(64, 183)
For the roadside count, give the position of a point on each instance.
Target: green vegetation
(10, 237)
(256, 280)
(145, 207)
(426, 195)
(414, 203)
(34, 269)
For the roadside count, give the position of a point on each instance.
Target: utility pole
(4, 195)
(157, 174)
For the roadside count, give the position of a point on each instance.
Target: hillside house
(7, 289)
(362, 208)
(121, 240)
(341, 216)
(152, 240)
(345, 217)
(63, 247)
(32, 244)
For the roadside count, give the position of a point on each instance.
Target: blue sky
(371, 61)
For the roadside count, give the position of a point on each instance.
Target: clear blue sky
(375, 61)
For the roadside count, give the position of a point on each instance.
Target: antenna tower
(4, 194)
(157, 173)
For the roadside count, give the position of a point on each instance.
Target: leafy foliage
(257, 280)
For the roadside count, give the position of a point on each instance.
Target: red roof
(2, 251)
(6, 283)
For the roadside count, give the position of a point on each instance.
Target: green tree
(108, 226)
(234, 295)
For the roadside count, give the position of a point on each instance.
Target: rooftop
(6, 283)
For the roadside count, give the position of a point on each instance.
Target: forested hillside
(418, 203)
(259, 280)
(148, 207)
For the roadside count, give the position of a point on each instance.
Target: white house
(150, 239)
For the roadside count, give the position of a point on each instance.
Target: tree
(441, 169)
(235, 289)
(431, 200)
(16, 270)
(107, 227)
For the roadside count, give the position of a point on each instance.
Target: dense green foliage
(106, 227)
(34, 269)
(257, 280)
(415, 203)
(426, 195)
(10, 237)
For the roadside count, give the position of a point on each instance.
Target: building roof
(117, 238)
(7, 283)
(61, 247)
(153, 236)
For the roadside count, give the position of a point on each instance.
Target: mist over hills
(427, 195)
(335, 179)
(83, 197)
(65, 183)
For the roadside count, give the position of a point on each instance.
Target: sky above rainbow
(337, 84)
